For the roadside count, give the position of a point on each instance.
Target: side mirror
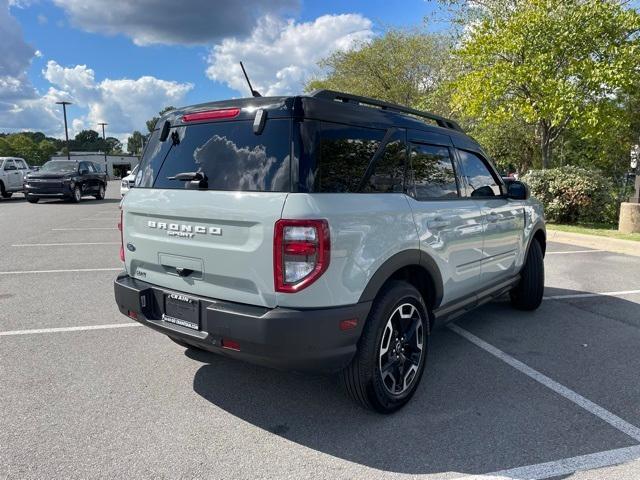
(517, 190)
(128, 172)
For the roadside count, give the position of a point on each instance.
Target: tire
(3, 191)
(32, 199)
(381, 342)
(76, 196)
(527, 295)
(101, 192)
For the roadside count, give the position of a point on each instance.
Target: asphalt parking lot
(85, 393)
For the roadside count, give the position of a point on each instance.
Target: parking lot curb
(628, 247)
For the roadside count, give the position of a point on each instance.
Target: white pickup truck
(12, 173)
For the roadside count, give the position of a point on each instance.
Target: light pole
(66, 132)
(102, 124)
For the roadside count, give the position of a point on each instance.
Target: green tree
(551, 63)
(151, 123)
(404, 67)
(6, 150)
(134, 143)
(46, 149)
(87, 141)
(113, 145)
(24, 147)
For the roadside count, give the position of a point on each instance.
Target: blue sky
(119, 61)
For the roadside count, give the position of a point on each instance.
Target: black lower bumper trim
(286, 338)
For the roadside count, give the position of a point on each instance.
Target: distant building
(116, 165)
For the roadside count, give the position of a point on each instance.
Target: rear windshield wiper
(193, 180)
(188, 176)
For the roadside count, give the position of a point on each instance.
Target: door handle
(438, 223)
(492, 217)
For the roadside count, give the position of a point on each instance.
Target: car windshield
(59, 167)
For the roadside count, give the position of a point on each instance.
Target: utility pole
(66, 132)
(102, 124)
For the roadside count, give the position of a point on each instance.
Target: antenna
(254, 93)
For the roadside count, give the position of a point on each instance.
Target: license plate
(182, 310)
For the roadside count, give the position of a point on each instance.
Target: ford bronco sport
(325, 232)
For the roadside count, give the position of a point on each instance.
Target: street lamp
(102, 124)
(66, 132)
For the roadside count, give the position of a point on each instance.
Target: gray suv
(325, 232)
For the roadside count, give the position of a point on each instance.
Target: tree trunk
(545, 143)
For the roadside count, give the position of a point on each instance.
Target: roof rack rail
(356, 99)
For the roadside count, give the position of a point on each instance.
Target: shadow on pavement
(472, 414)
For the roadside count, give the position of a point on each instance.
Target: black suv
(66, 179)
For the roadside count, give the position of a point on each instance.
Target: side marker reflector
(348, 324)
(230, 344)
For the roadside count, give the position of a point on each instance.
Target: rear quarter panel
(366, 229)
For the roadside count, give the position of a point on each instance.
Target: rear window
(230, 155)
(338, 158)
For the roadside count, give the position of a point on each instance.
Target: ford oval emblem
(131, 247)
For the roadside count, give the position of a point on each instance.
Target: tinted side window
(433, 173)
(21, 165)
(388, 172)
(229, 154)
(8, 164)
(83, 166)
(91, 167)
(343, 156)
(480, 181)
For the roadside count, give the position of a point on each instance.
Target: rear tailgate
(211, 237)
(222, 241)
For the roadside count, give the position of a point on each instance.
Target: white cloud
(15, 53)
(20, 106)
(160, 21)
(125, 104)
(280, 55)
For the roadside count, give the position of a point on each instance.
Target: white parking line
(588, 405)
(564, 466)
(575, 251)
(68, 329)
(114, 219)
(81, 229)
(588, 295)
(63, 244)
(19, 272)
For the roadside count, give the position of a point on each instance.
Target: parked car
(326, 233)
(66, 179)
(128, 181)
(12, 173)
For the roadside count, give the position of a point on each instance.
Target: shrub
(573, 194)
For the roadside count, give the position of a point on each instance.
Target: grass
(602, 230)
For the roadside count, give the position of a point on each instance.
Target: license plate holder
(182, 310)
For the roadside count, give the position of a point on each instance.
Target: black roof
(328, 105)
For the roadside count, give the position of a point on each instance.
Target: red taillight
(121, 228)
(211, 115)
(301, 253)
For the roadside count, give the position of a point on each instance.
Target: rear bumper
(285, 338)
